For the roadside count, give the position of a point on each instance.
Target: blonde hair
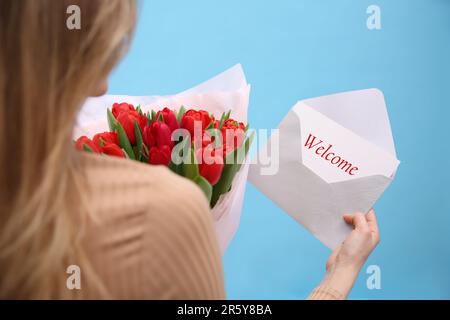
(46, 72)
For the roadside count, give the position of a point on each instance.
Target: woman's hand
(346, 261)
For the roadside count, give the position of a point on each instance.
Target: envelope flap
(336, 153)
(363, 112)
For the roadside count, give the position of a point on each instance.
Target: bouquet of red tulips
(192, 143)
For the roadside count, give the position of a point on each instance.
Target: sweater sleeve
(325, 293)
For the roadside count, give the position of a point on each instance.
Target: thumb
(357, 220)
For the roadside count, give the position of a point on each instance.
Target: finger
(359, 221)
(348, 218)
(372, 222)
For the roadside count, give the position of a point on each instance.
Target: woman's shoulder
(121, 183)
(148, 217)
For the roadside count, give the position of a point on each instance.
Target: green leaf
(125, 153)
(246, 146)
(160, 117)
(173, 166)
(149, 118)
(87, 148)
(145, 151)
(205, 186)
(227, 116)
(224, 184)
(153, 115)
(190, 170)
(139, 110)
(233, 163)
(176, 168)
(210, 125)
(139, 140)
(216, 135)
(180, 114)
(124, 143)
(112, 122)
(222, 121)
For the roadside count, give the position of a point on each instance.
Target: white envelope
(336, 156)
(226, 91)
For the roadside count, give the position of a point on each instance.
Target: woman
(113, 218)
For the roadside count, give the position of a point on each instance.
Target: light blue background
(295, 49)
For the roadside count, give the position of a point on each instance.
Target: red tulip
(210, 164)
(142, 121)
(113, 150)
(119, 108)
(102, 139)
(193, 116)
(233, 134)
(148, 138)
(162, 134)
(159, 155)
(233, 139)
(169, 118)
(205, 141)
(127, 119)
(82, 141)
(229, 124)
(233, 124)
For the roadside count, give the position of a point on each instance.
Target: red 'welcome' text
(323, 150)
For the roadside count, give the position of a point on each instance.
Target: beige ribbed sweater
(152, 236)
